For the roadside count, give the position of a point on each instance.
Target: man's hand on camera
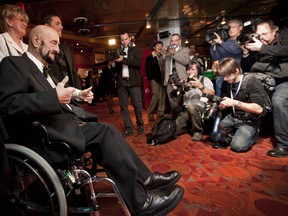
(227, 102)
(86, 95)
(256, 46)
(218, 39)
(195, 82)
(64, 94)
(120, 59)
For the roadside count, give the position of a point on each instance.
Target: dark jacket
(274, 57)
(152, 69)
(26, 97)
(134, 62)
(64, 65)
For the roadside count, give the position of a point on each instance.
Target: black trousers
(120, 161)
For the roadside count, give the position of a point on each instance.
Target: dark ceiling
(106, 18)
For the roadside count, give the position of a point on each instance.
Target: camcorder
(247, 38)
(212, 106)
(222, 31)
(113, 54)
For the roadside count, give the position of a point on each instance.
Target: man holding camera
(129, 84)
(223, 47)
(194, 88)
(273, 63)
(245, 102)
(176, 58)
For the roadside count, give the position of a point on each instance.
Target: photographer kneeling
(245, 100)
(192, 89)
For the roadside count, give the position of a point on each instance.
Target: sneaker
(140, 129)
(197, 136)
(128, 133)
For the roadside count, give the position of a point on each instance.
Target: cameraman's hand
(64, 94)
(256, 46)
(195, 82)
(120, 59)
(170, 51)
(227, 102)
(86, 95)
(218, 39)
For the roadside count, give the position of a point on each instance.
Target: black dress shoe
(128, 133)
(160, 203)
(278, 152)
(158, 181)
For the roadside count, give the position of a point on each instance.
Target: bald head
(43, 43)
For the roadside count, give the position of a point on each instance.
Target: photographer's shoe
(278, 152)
(159, 181)
(128, 133)
(197, 136)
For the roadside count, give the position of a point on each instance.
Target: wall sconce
(148, 25)
(112, 41)
(186, 41)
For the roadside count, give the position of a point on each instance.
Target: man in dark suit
(27, 96)
(129, 83)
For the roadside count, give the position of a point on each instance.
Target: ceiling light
(148, 25)
(84, 31)
(186, 41)
(223, 21)
(80, 20)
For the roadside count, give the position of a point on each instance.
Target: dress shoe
(158, 181)
(140, 129)
(160, 203)
(278, 152)
(128, 133)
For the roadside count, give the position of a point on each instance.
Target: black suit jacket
(64, 65)
(26, 97)
(134, 62)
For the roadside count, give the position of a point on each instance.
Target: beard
(48, 59)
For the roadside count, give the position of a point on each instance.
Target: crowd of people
(175, 75)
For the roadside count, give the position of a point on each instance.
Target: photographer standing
(176, 58)
(194, 87)
(273, 65)
(129, 84)
(245, 102)
(222, 48)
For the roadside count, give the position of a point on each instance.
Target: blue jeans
(218, 82)
(243, 134)
(280, 114)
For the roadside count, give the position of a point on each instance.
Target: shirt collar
(39, 64)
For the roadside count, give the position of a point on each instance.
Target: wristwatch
(238, 104)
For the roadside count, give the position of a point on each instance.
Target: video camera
(212, 106)
(113, 54)
(247, 38)
(222, 31)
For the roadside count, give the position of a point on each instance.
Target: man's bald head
(43, 43)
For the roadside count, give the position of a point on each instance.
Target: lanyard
(237, 91)
(238, 88)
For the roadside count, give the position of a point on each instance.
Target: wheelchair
(39, 187)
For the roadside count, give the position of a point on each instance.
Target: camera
(115, 53)
(212, 107)
(171, 47)
(247, 38)
(222, 31)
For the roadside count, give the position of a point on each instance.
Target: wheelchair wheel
(37, 189)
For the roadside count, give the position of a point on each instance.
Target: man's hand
(120, 59)
(86, 95)
(256, 46)
(64, 94)
(218, 38)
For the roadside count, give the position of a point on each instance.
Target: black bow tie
(46, 71)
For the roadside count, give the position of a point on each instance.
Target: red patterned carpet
(217, 182)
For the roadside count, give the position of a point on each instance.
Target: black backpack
(163, 131)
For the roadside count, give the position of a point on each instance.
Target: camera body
(212, 107)
(247, 38)
(171, 47)
(113, 54)
(222, 31)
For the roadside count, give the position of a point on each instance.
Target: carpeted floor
(217, 182)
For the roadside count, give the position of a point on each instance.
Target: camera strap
(237, 91)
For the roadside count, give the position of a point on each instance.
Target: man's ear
(36, 40)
